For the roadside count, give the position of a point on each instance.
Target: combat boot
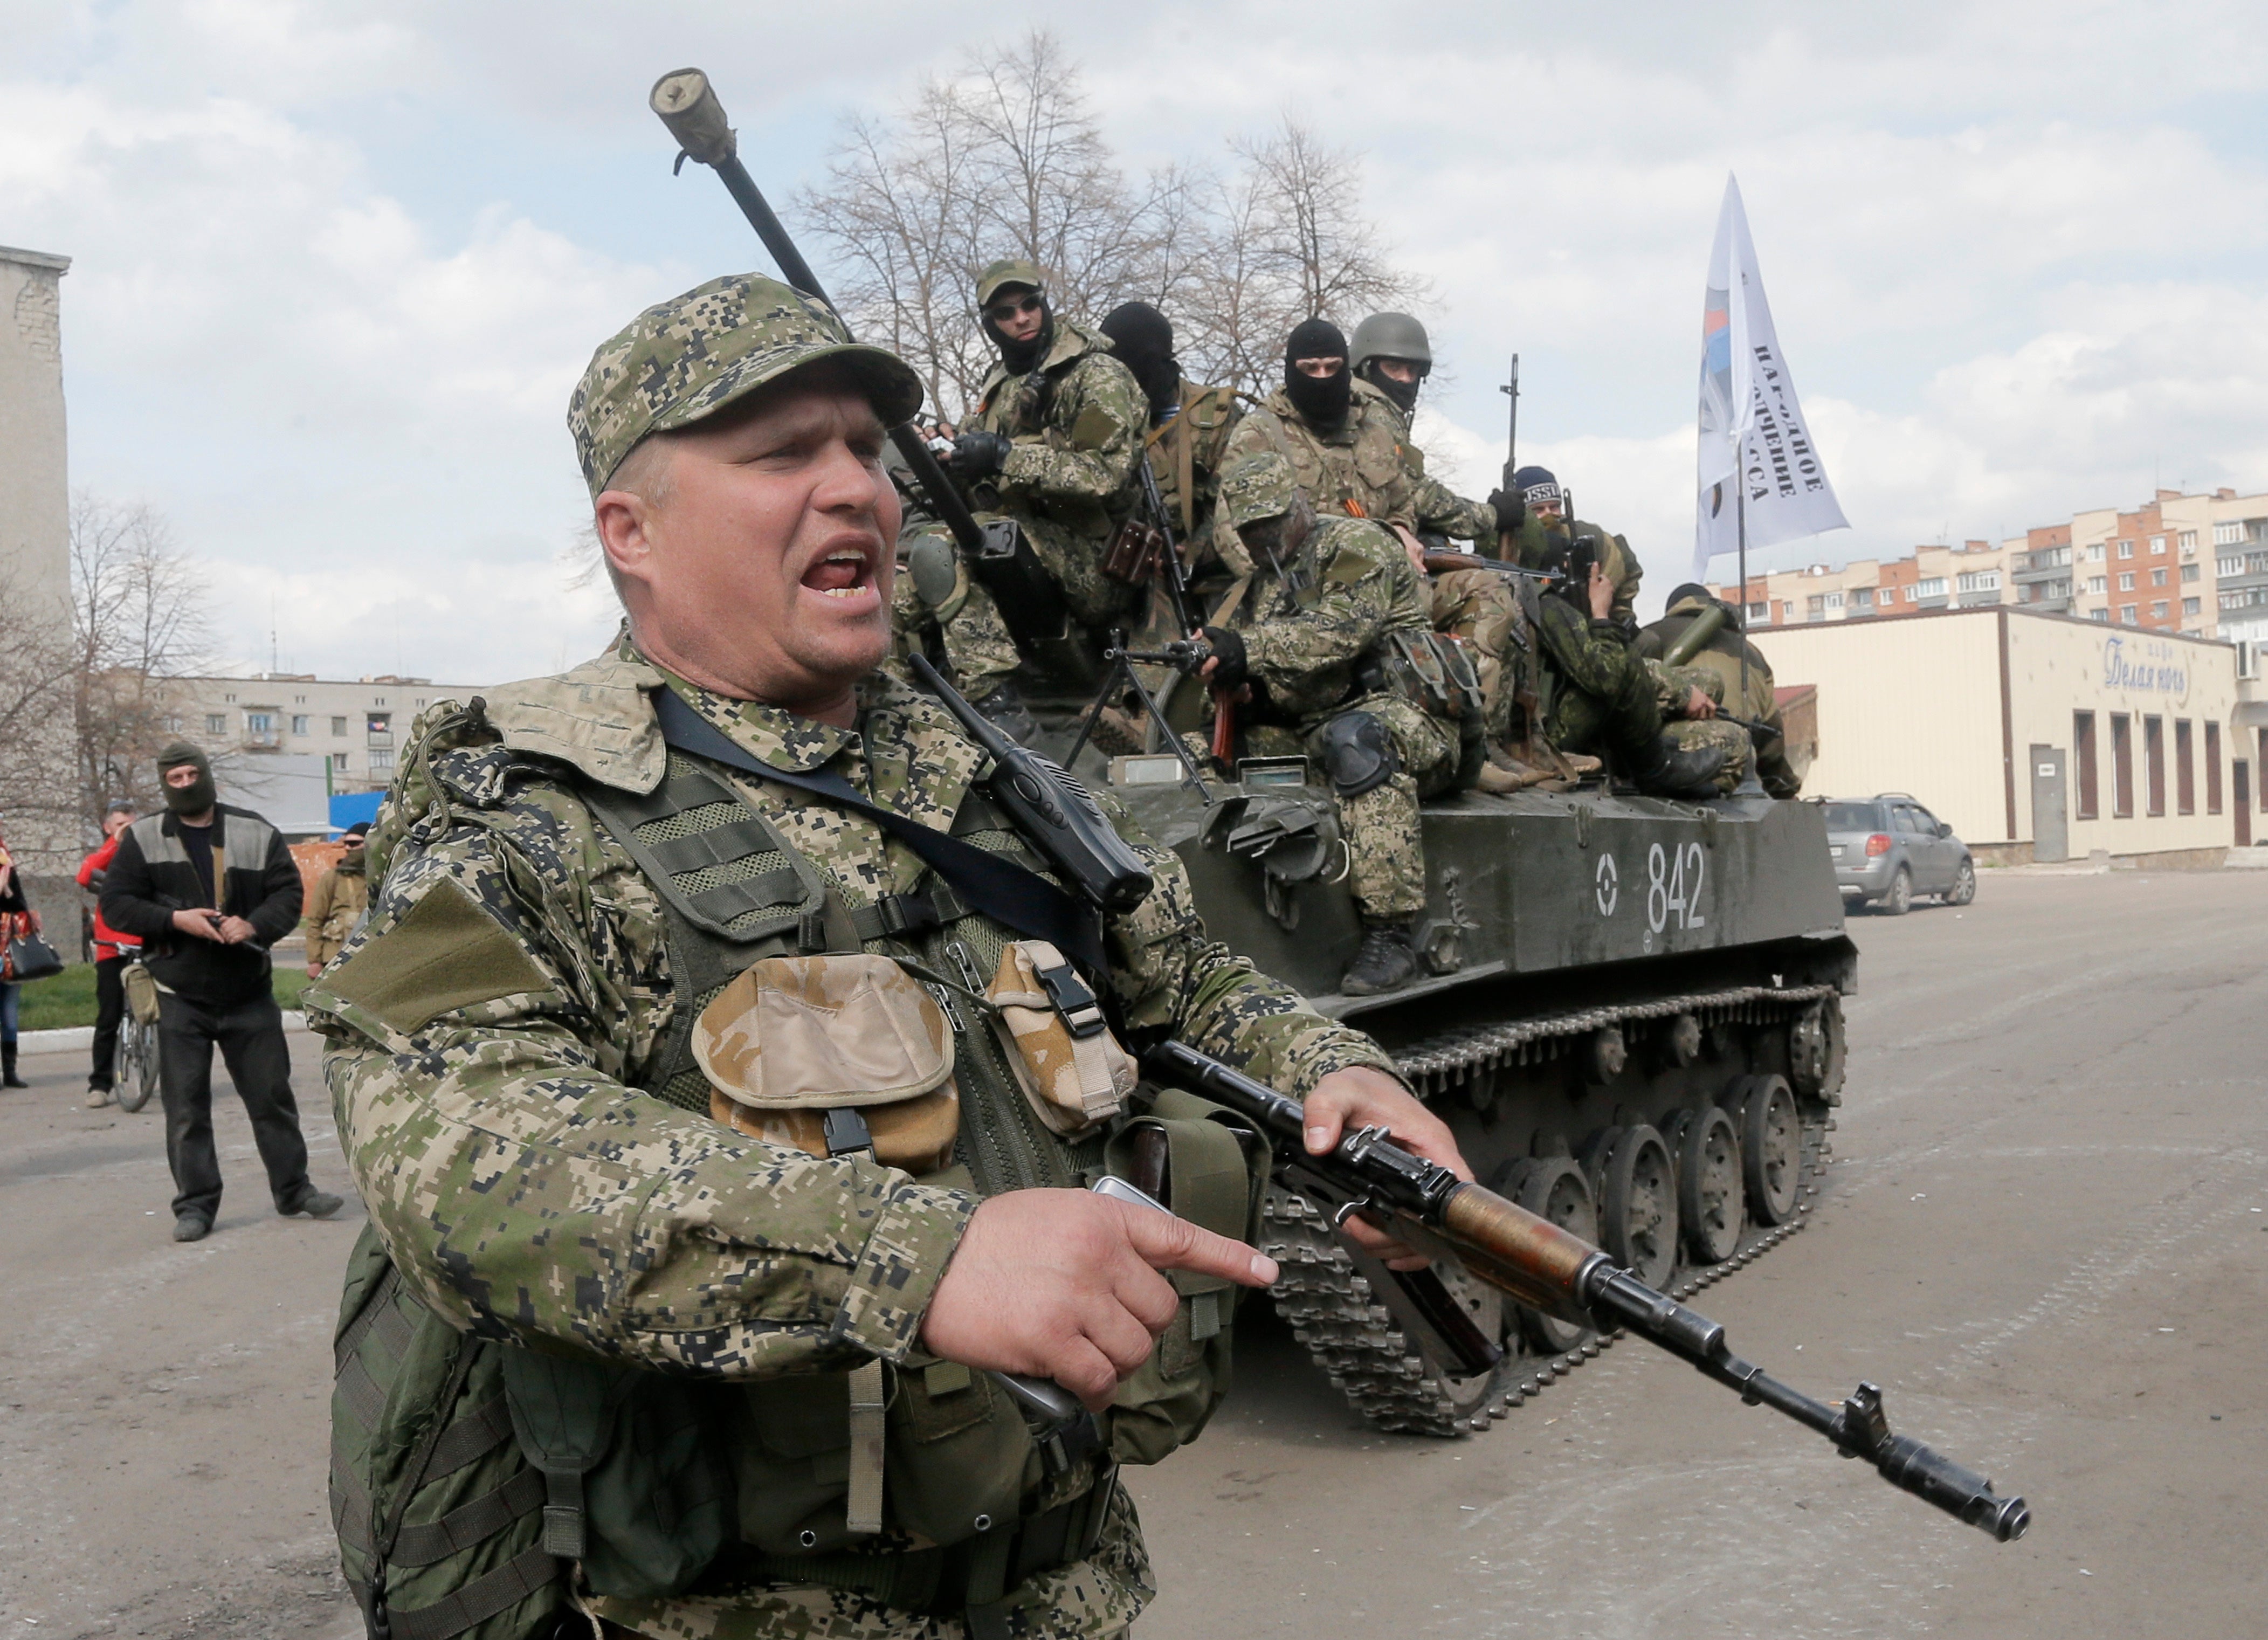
(315, 1204)
(1005, 709)
(8, 1076)
(1495, 778)
(1387, 960)
(1675, 772)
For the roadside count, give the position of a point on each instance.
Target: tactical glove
(1510, 511)
(1228, 649)
(978, 455)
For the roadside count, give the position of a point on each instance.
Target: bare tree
(139, 617)
(35, 690)
(1006, 158)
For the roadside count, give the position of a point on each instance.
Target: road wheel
(1553, 1188)
(1638, 1209)
(1771, 1147)
(1709, 1186)
(1964, 885)
(1898, 899)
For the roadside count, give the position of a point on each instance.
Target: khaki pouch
(140, 988)
(793, 1038)
(1070, 1066)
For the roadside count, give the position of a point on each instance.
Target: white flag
(1749, 407)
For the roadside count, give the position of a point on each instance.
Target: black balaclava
(1321, 399)
(1023, 357)
(200, 794)
(351, 861)
(1144, 341)
(1404, 393)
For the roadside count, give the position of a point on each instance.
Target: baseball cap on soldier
(1011, 271)
(689, 358)
(1259, 486)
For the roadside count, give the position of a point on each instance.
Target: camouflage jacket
(1355, 584)
(1534, 542)
(1361, 470)
(1439, 509)
(1077, 423)
(1583, 652)
(1188, 452)
(485, 1104)
(1720, 658)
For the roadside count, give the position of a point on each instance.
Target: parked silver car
(1887, 849)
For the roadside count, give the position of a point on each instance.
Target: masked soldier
(1339, 648)
(1598, 698)
(1545, 530)
(1721, 658)
(1189, 426)
(1052, 444)
(718, 1122)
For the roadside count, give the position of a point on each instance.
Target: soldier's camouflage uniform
(1535, 542)
(1604, 699)
(1189, 451)
(1077, 423)
(1305, 648)
(1718, 661)
(529, 1193)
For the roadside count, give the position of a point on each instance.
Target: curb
(81, 1037)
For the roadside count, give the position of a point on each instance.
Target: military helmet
(689, 358)
(1257, 486)
(1008, 271)
(1391, 336)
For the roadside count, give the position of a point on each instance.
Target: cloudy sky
(337, 267)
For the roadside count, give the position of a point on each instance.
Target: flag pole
(1741, 517)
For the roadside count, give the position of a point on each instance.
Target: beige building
(2037, 736)
(355, 726)
(35, 769)
(2189, 563)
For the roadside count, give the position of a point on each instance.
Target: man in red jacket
(110, 949)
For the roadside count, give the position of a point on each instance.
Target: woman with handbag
(17, 918)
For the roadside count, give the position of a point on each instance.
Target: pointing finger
(1167, 1243)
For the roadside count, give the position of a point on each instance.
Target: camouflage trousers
(978, 649)
(1477, 607)
(1385, 847)
(1095, 1599)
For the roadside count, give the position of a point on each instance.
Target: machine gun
(1442, 559)
(996, 552)
(1546, 1267)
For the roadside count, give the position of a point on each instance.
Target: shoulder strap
(1000, 889)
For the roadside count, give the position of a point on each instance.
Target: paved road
(2043, 1236)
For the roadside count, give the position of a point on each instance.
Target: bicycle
(136, 1069)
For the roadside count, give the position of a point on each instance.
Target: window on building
(2263, 785)
(1787, 610)
(2228, 566)
(2153, 763)
(381, 726)
(2128, 615)
(2212, 768)
(299, 700)
(2224, 533)
(2158, 610)
(2157, 578)
(1814, 608)
(260, 723)
(1862, 598)
(2157, 546)
(2094, 552)
(215, 722)
(2190, 572)
(2189, 543)
(1980, 581)
(2099, 615)
(2184, 769)
(2098, 583)
(2192, 606)
(2125, 549)
(1931, 587)
(338, 728)
(2127, 582)
(230, 699)
(1835, 600)
(1760, 612)
(338, 762)
(381, 759)
(299, 721)
(172, 723)
(2122, 766)
(2082, 758)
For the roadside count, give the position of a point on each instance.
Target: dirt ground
(2045, 1236)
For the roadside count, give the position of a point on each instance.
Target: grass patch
(68, 999)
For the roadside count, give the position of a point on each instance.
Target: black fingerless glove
(978, 455)
(1510, 511)
(1228, 645)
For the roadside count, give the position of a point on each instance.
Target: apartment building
(2194, 564)
(355, 726)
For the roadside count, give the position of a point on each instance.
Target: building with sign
(2039, 737)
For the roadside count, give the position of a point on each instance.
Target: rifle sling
(1002, 889)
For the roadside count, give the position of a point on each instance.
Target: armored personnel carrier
(1633, 1021)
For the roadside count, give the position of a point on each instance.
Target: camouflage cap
(689, 358)
(1256, 487)
(1010, 270)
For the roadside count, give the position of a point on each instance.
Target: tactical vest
(472, 1479)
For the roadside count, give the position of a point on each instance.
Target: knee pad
(1358, 753)
(935, 567)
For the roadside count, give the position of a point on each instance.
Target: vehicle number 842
(1674, 877)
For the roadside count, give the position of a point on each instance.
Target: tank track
(1350, 1333)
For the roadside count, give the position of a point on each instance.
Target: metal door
(2241, 788)
(2051, 830)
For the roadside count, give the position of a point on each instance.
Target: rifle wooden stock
(1518, 1252)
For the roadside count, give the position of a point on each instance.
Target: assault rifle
(1442, 559)
(1536, 1262)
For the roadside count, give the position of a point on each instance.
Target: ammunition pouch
(1027, 596)
(1134, 551)
(1429, 669)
